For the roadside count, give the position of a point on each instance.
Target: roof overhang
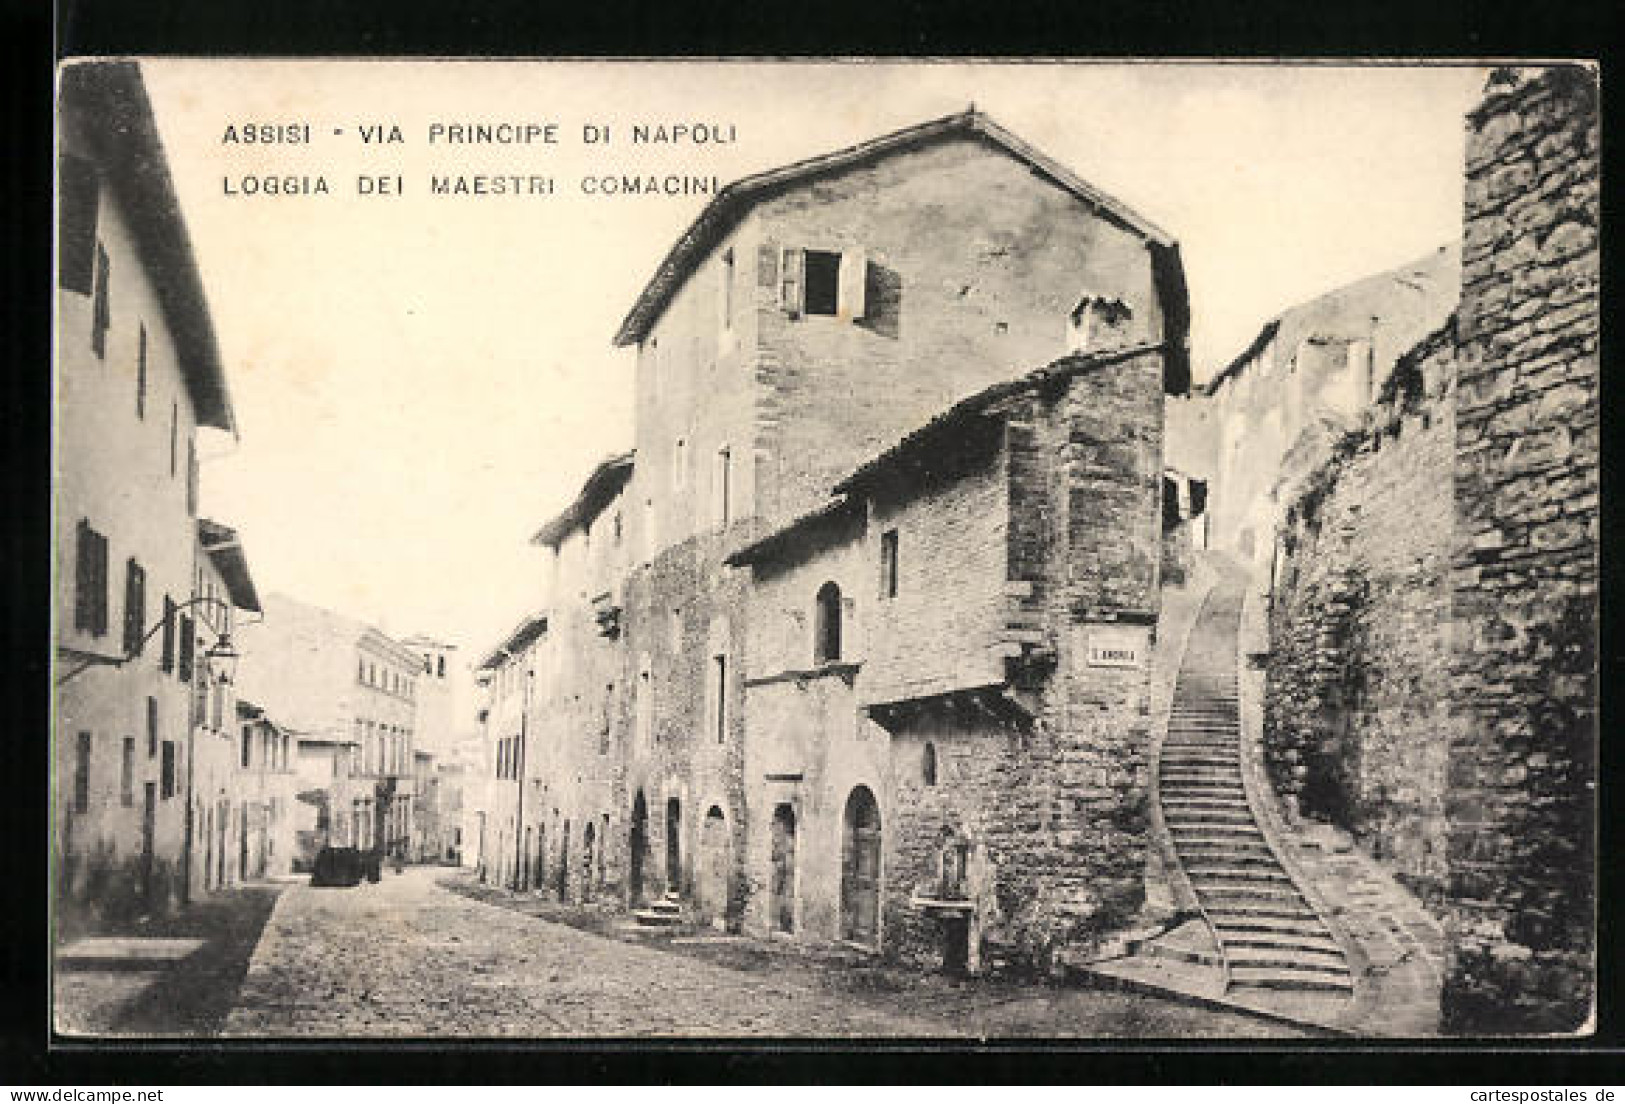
(733, 202)
(523, 635)
(954, 427)
(109, 100)
(225, 552)
(597, 491)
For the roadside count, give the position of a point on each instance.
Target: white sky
(421, 381)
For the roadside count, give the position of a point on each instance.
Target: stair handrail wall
(1264, 800)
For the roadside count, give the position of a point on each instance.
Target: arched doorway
(674, 852)
(860, 868)
(637, 844)
(712, 882)
(782, 889)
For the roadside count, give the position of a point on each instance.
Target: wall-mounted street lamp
(221, 658)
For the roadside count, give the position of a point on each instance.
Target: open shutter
(850, 291)
(76, 224)
(793, 281)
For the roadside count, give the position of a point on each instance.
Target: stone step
(1191, 786)
(1197, 815)
(1227, 853)
(1188, 802)
(1219, 896)
(1295, 953)
(1308, 980)
(1241, 877)
(1257, 916)
(1281, 933)
(651, 918)
(1247, 831)
(1208, 861)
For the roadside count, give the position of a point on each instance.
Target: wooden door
(860, 869)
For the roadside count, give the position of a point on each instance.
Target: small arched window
(827, 625)
(928, 764)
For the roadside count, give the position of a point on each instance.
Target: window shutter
(767, 266)
(187, 643)
(850, 292)
(135, 606)
(792, 281)
(76, 224)
(169, 634)
(83, 578)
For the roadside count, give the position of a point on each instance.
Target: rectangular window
(78, 193)
(81, 775)
(822, 282)
(248, 745)
(141, 373)
(135, 606)
(603, 729)
(126, 773)
(679, 463)
(167, 771)
(90, 592)
(101, 310)
(169, 634)
(187, 644)
(888, 564)
(152, 728)
(719, 691)
(723, 484)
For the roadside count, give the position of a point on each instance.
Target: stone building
(836, 371)
(349, 694)
(138, 373)
(1432, 667)
(226, 801)
(506, 841)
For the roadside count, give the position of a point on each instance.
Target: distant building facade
(1315, 370)
(815, 658)
(349, 695)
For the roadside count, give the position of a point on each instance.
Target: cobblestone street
(407, 957)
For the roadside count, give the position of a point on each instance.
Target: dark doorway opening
(956, 945)
(782, 903)
(638, 843)
(674, 853)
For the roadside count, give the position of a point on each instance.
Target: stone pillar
(1522, 784)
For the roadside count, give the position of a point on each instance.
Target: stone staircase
(662, 912)
(1269, 936)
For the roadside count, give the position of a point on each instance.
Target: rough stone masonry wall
(1523, 750)
(1356, 705)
